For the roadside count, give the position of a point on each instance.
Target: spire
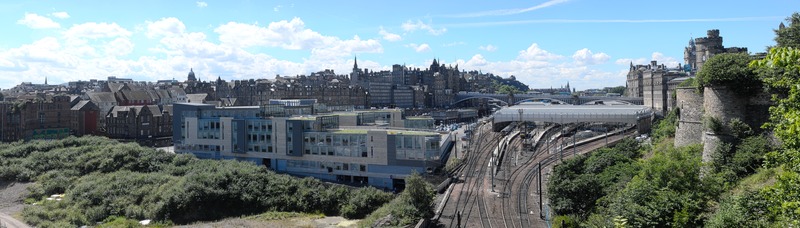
(355, 63)
(45, 80)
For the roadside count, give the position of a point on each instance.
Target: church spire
(45, 80)
(355, 63)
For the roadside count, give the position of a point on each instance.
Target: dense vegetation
(101, 179)
(751, 181)
(413, 204)
(503, 85)
(730, 70)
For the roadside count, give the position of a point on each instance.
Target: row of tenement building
(142, 111)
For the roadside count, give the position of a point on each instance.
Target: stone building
(703, 48)
(655, 83)
(652, 82)
(148, 125)
(42, 116)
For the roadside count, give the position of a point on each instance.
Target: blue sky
(543, 43)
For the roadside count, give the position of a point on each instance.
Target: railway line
(469, 186)
(472, 205)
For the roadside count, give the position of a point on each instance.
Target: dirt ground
(292, 222)
(12, 195)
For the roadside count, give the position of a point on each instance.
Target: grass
(279, 215)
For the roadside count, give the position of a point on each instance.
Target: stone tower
(706, 47)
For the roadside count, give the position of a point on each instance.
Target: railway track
(473, 171)
(517, 214)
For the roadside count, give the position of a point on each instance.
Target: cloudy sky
(543, 43)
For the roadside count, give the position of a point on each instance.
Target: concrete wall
(690, 126)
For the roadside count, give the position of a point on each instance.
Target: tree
(789, 36)
(780, 70)
(618, 89)
(419, 194)
(730, 70)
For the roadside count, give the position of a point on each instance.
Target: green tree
(730, 70)
(780, 69)
(789, 36)
(419, 194)
(618, 89)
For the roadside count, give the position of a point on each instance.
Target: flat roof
(388, 131)
(572, 113)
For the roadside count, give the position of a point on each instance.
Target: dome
(191, 75)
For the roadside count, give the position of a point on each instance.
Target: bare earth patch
(309, 221)
(12, 195)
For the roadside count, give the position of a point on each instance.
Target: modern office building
(365, 147)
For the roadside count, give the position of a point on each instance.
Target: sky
(543, 43)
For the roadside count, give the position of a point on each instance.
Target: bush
(413, 204)
(104, 179)
(563, 221)
(739, 128)
(665, 128)
(730, 70)
(364, 201)
(712, 124)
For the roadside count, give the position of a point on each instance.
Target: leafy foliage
(790, 35)
(413, 204)
(577, 183)
(104, 179)
(780, 69)
(730, 70)
(665, 128)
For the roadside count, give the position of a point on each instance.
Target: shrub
(739, 128)
(712, 124)
(730, 70)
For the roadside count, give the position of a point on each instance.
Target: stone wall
(711, 142)
(758, 109)
(690, 126)
(723, 104)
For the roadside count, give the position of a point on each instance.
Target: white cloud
(504, 12)
(540, 68)
(419, 47)
(410, 26)
(201, 4)
(535, 53)
(489, 48)
(389, 36)
(93, 30)
(659, 57)
(277, 8)
(60, 15)
(35, 21)
(586, 57)
(292, 35)
(169, 26)
(119, 47)
(97, 50)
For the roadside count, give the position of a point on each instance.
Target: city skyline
(542, 43)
